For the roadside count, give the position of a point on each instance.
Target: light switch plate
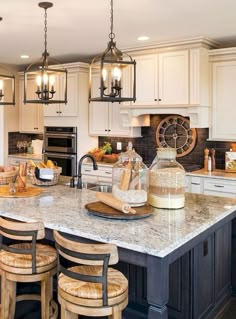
(119, 146)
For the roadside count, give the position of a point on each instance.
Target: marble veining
(62, 208)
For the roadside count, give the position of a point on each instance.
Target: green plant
(107, 148)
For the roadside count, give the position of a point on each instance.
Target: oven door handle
(59, 135)
(60, 155)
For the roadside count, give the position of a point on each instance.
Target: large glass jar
(130, 178)
(166, 181)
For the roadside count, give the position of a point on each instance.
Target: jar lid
(130, 155)
(166, 153)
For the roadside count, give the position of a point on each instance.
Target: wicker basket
(6, 177)
(54, 181)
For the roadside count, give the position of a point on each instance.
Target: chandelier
(109, 72)
(44, 77)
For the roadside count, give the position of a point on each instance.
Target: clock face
(174, 131)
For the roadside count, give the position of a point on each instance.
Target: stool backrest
(21, 231)
(86, 254)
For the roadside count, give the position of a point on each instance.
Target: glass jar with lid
(130, 178)
(166, 181)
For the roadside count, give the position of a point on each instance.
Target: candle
(104, 74)
(45, 79)
(39, 81)
(117, 73)
(52, 81)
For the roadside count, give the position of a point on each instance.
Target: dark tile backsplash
(146, 145)
(14, 137)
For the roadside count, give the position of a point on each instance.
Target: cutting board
(102, 210)
(29, 192)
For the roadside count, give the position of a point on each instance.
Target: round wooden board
(102, 210)
(29, 192)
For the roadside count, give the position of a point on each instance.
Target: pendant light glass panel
(116, 72)
(7, 89)
(43, 82)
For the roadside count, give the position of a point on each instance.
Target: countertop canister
(166, 181)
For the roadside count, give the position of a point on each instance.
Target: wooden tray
(102, 210)
(30, 191)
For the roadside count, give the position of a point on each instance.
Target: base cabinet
(199, 281)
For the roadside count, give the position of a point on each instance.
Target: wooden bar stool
(90, 288)
(26, 261)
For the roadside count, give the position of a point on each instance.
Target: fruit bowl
(110, 158)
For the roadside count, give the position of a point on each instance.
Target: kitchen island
(194, 241)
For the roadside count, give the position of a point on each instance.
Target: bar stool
(26, 261)
(90, 288)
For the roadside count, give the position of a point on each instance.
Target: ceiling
(78, 29)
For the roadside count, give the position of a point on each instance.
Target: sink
(101, 188)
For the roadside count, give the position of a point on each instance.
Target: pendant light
(108, 72)
(7, 86)
(45, 78)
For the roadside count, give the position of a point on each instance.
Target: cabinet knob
(57, 112)
(109, 130)
(159, 99)
(155, 99)
(105, 130)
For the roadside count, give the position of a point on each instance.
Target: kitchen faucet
(95, 167)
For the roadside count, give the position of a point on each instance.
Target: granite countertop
(62, 208)
(27, 156)
(214, 174)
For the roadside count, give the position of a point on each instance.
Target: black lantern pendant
(45, 78)
(112, 67)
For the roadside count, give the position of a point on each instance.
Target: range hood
(198, 115)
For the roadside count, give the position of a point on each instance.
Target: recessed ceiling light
(143, 38)
(24, 56)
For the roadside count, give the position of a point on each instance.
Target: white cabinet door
(195, 184)
(115, 121)
(31, 115)
(173, 78)
(71, 108)
(146, 80)
(224, 97)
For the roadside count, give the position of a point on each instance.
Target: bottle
(166, 181)
(209, 164)
(130, 178)
(213, 162)
(206, 154)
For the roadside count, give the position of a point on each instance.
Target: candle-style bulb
(1, 84)
(116, 73)
(104, 74)
(52, 80)
(45, 79)
(39, 80)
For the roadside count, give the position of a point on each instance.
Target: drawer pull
(219, 185)
(109, 173)
(88, 170)
(195, 183)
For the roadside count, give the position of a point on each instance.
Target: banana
(50, 164)
(31, 163)
(42, 165)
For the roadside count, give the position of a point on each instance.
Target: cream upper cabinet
(223, 101)
(31, 115)
(173, 77)
(146, 80)
(71, 108)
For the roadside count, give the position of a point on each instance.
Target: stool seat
(45, 256)
(117, 284)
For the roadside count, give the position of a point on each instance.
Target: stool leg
(116, 313)
(8, 297)
(46, 296)
(65, 314)
(11, 286)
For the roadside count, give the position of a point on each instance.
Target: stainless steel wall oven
(60, 146)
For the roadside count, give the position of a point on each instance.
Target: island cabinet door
(222, 263)
(203, 278)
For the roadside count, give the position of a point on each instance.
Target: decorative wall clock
(174, 131)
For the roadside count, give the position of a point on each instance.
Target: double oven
(60, 146)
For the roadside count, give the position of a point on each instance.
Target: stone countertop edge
(27, 156)
(62, 208)
(214, 174)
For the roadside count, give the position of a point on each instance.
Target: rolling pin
(111, 201)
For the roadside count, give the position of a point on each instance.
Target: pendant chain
(112, 34)
(45, 30)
